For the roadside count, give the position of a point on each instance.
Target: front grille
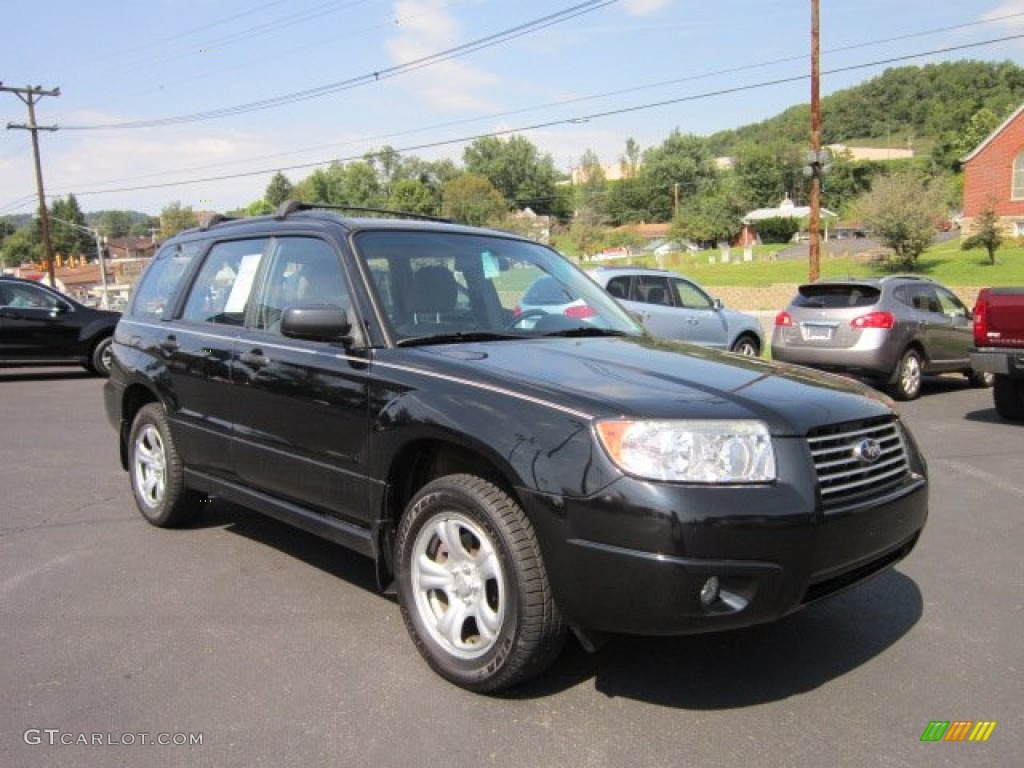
(858, 460)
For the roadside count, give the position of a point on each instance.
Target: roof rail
(288, 207)
(217, 218)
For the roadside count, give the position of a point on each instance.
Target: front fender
(534, 446)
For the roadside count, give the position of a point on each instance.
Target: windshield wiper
(585, 331)
(455, 338)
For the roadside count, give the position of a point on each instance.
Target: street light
(105, 300)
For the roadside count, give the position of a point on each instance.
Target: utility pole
(815, 201)
(30, 96)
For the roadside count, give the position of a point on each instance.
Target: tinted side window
(160, 281)
(923, 299)
(221, 290)
(653, 290)
(301, 272)
(619, 287)
(28, 296)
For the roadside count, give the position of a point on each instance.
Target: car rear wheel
(1009, 398)
(472, 586)
(156, 471)
(906, 380)
(747, 346)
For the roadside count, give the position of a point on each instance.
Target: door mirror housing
(320, 323)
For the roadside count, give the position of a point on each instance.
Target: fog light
(709, 592)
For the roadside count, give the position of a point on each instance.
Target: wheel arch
(133, 399)
(413, 466)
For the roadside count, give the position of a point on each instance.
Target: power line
(586, 98)
(563, 121)
(360, 80)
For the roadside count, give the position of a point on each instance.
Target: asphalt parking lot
(272, 648)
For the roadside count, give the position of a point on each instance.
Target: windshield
(443, 286)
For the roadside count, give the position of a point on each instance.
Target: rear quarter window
(836, 296)
(160, 281)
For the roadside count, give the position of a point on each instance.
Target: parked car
(547, 296)
(672, 307)
(510, 484)
(892, 330)
(40, 326)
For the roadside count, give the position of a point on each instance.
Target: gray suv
(892, 329)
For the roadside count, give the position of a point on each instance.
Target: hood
(650, 378)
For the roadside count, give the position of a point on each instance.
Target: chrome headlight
(713, 451)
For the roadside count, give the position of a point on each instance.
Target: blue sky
(125, 62)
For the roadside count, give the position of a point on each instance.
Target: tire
(905, 383)
(472, 586)
(101, 357)
(981, 379)
(747, 346)
(156, 471)
(1008, 395)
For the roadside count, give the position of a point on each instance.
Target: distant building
(872, 153)
(785, 210)
(994, 176)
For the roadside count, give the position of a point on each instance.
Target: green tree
(987, 233)
(591, 186)
(473, 200)
(21, 247)
(515, 167)
(174, 218)
(115, 223)
(413, 196)
(681, 165)
(629, 162)
(713, 216)
(67, 238)
(901, 210)
(278, 190)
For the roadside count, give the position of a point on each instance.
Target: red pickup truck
(999, 346)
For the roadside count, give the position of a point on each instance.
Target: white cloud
(427, 27)
(643, 7)
(1008, 8)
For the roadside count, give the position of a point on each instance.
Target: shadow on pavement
(746, 667)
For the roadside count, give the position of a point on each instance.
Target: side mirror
(717, 304)
(323, 323)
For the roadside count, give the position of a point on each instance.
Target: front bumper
(635, 559)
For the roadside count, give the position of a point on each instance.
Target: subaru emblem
(868, 450)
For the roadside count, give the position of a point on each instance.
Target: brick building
(994, 175)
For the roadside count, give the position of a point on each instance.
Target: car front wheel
(906, 380)
(472, 586)
(156, 471)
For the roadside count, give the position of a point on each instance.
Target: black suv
(39, 326)
(513, 475)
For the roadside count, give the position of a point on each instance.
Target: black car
(513, 475)
(39, 326)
